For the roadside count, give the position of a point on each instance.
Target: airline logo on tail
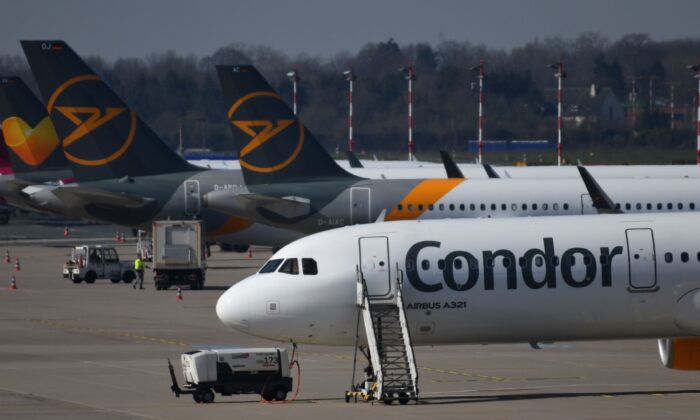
(33, 145)
(263, 131)
(89, 120)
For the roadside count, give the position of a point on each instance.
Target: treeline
(172, 91)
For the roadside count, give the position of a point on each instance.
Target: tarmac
(80, 351)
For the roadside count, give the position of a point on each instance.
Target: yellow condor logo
(88, 119)
(33, 145)
(266, 130)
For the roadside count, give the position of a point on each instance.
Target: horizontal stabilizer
(258, 207)
(79, 196)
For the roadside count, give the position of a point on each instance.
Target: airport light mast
(560, 74)
(293, 76)
(481, 75)
(410, 76)
(350, 77)
(696, 69)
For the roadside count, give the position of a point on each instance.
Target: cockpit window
(290, 266)
(309, 266)
(271, 266)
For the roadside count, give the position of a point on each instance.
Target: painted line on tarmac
(107, 333)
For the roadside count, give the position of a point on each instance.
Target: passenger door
(192, 197)
(360, 206)
(375, 267)
(641, 255)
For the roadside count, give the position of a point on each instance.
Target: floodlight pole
(410, 76)
(350, 77)
(696, 69)
(559, 67)
(480, 69)
(293, 76)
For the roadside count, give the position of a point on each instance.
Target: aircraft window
(680, 206)
(309, 266)
(430, 207)
(545, 206)
(489, 263)
(522, 261)
(555, 261)
(534, 206)
(572, 260)
(458, 264)
(648, 206)
(692, 206)
(420, 207)
(698, 256)
(617, 206)
(410, 207)
(524, 206)
(506, 262)
(566, 206)
(603, 260)
(271, 266)
(504, 207)
(400, 207)
(425, 265)
(555, 206)
(441, 265)
(493, 206)
(452, 207)
(290, 266)
(514, 207)
(539, 261)
(473, 264)
(669, 206)
(628, 206)
(441, 207)
(668, 257)
(639, 206)
(483, 206)
(587, 260)
(462, 207)
(684, 256)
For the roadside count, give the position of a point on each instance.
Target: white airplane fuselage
(486, 280)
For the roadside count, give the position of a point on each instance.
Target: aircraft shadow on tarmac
(463, 399)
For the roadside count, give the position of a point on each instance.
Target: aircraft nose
(232, 307)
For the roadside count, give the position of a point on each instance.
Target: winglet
(353, 160)
(451, 167)
(490, 171)
(381, 216)
(601, 201)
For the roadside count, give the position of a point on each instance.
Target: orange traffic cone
(7, 256)
(13, 283)
(116, 237)
(250, 253)
(179, 294)
(66, 231)
(17, 266)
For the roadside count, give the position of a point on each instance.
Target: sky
(136, 28)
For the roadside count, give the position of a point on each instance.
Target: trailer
(233, 371)
(178, 254)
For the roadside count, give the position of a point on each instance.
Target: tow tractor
(233, 370)
(92, 262)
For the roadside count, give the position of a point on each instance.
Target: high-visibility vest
(138, 264)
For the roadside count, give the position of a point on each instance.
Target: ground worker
(138, 267)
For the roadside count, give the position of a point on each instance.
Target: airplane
(127, 175)
(31, 143)
(294, 183)
(602, 277)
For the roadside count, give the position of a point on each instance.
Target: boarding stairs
(389, 343)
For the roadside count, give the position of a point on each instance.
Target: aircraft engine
(682, 353)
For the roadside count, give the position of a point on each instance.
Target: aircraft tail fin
(33, 146)
(102, 137)
(273, 145)
(353, 160)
